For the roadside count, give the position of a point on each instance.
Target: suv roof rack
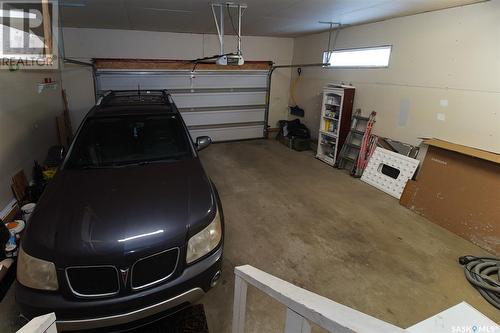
(135, 97)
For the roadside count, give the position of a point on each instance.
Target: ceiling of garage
(262, 18)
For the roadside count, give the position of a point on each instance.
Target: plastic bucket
(27, 210)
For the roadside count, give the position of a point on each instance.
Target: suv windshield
(128, 140)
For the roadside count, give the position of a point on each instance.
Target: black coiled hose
(484, 274)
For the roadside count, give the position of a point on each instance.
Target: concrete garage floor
(305, 222)
(297, 218)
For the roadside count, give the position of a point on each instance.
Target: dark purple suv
(131, 228)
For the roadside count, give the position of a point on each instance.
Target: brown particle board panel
(460, 192)
(151, 64)
(19, 185)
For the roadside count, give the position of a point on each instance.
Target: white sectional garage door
(225, 105)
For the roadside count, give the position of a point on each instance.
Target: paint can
(15, 226)
(27, 210)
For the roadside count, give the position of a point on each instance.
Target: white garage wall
(445, 57)
(27, 124)
(84, 44)
(79, 85)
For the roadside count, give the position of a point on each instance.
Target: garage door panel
(220, 99)
(229, 133)
(225, 105)
(144, 80)
(199, 118)
(211, 80)
(180, 80)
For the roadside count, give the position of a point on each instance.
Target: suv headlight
(36, 273)
(204, 241)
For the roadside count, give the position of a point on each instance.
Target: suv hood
(93, 216)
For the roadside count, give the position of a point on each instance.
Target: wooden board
(19, 185)
(459, 192)
(474, 152)
(14, 211)
(174, 64)
(62, 131)
(47, 31)
(67, 119)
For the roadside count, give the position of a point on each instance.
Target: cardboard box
(458, 187)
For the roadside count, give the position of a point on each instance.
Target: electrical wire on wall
(294, 84)
(295, 110)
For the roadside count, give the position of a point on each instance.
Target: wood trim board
(113, 63)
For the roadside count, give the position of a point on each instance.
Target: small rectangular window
(368, 57)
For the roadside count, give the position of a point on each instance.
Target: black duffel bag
(293, 128)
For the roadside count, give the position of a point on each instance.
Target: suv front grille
(93, 281)
(154, 269)
(102, 281)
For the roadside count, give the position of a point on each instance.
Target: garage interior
(356, 147)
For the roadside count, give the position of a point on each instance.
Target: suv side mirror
(55, 156)
(202, 142)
